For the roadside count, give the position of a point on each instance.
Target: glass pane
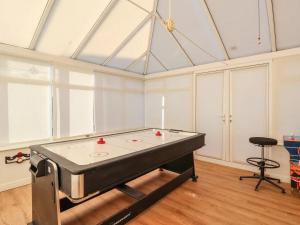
(29, 112)
(19, 20)
(81, 112)
(154, 110)
(73, 19)
(112, 32)
(133, 49)
(237, 22)
(148, 5)
(113, 110)
(134, 110)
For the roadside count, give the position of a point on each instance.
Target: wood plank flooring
(218, 198)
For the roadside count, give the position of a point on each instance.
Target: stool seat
(263, 141)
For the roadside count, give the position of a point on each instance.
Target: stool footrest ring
(265, 163)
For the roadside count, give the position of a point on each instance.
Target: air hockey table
(85, 168)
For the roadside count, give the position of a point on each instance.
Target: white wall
(13, 175)
(284, 113)
(178, 110)
(285, 106)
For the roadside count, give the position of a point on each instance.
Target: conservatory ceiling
(148, 36)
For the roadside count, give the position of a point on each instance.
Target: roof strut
(270, 11)
(95, 27)
(176, 40)
(158, 61)
(127, 39)
(41, 24)
(136, 60)
(214, 28)
(150, 37)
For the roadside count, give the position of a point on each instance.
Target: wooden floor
(218, 197)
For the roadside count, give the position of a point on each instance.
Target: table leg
(45, 198)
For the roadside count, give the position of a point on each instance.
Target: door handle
(230, 118)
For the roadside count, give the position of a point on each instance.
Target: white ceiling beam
(41, 24)
(157, 59)
(271, 24)
(127, 39)
(176, 40)
(138, 6)
(214, 28)
(54, 60)
(95, 27)
(135, 61)
(150, 37)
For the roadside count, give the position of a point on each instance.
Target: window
(25, 98)
(119, 103)
(38, 102)
(74, 101)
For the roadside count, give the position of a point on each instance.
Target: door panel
(249, 109)
(210, 117)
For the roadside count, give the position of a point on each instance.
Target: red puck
(158, 133)
(101, 141)
(20, 154)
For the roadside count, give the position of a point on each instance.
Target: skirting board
(15, 184)
(283, 178)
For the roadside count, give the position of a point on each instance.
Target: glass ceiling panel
(287, 23)
(134, 48)
(138, 67)
(115, 28)
(19, 20)
(146, 4)
(237, 22)
(67, 25)
(154, 66)
(195, 26)
(166, 49)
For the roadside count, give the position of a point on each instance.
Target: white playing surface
(87, 151)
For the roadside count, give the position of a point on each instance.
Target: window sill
(25, 145)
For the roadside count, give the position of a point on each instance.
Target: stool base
(261, 178)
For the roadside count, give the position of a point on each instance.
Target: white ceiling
(131, 35)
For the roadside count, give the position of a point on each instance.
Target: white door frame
(227, 105)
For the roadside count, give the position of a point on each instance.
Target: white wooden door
(210, 113)
(248, 110)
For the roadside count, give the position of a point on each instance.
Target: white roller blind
(38, 102)
(119, 103)
(25, 100)
(169, 103)
(74, 103)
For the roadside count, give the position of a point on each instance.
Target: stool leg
(271, 178)
(257, 186)
(276, 185)
(255, 177)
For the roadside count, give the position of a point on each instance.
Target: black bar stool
(263, 163)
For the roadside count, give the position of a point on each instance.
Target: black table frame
(46, 185)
